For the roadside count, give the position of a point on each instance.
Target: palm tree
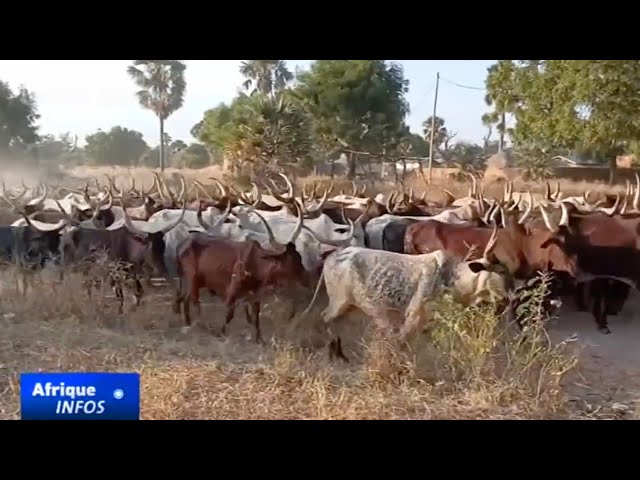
(266, 76)
(440, 134)
(162, 88)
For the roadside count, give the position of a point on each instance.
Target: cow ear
(477, 267)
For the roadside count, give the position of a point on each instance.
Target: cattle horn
(318, 207)
(527, 212)
(611, 210)
(290, 186)
(559, 194)
(218, 221)
(337, 243)
(37, 202)
(564, 218)
(491, 244)
(273, 243)
(355, 188)
(3, 194)
(298, 229)
(152, 227)
(547, 220)
(547, 190)
(636, 196)
(47, 226)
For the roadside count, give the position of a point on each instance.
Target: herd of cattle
(387, 258)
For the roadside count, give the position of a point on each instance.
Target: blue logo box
(80, 396)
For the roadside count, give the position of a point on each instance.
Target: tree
(18, 116)
(118, 146)
(265, 76)
(501, 95)
(162, 89)
(441, 136)
(560, 104)
(355, 104)
(193, 156)
(61, 149)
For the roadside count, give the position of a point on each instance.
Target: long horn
(320, 206)
(491, 244)
(557, 191)
(217, 223)
(611, 210)
(547, 220)
(273, 243)
(564, 218)
(636, 197)
(547, 190)
(289, 185)
(37, 202)
(528, 210)
(337, 243)
(48, 227)
(354, 187)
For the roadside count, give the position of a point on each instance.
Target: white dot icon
(118, 394)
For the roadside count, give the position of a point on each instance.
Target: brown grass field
(469, 366)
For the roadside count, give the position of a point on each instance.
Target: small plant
(476, 348)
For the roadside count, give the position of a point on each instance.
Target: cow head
(285, 259)
(42, 239)
(555, 243)
(474, 282)
(150, 235)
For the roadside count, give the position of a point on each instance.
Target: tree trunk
(502, 130)
(161, 149)
(352, 167)
(612, 169)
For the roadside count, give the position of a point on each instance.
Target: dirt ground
(610, 364)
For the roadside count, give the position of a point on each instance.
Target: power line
(462, 86)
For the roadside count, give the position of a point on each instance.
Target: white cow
(390, 286)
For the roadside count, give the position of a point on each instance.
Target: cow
(390, 286)
(140, 246)
(235, 271)
(523, 252)
(606, 248)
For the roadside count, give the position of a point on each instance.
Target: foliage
(265, 76)
(441, 136)
(18, 116)
(118, 146)
(193, 156)
(355, 104)
(562, 103)
(162, 89)
(475, 348)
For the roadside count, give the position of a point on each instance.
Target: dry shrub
(472, 355)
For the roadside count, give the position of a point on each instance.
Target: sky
(81, 96)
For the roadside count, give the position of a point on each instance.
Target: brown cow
(606, 247)
(235, 271)
(522, 252)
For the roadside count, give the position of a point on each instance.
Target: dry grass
(467, 369)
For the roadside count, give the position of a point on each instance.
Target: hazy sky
(80, 96)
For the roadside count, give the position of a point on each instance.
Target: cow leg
(256, 321)
(231, 309)
(599, 313)
(120, 296)
(580, 296)
(334, 310)
(192, 297)
(137, 290)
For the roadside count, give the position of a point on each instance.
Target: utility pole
(433, 124)
(503, 120)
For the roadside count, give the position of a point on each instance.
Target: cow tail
(315, 295)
